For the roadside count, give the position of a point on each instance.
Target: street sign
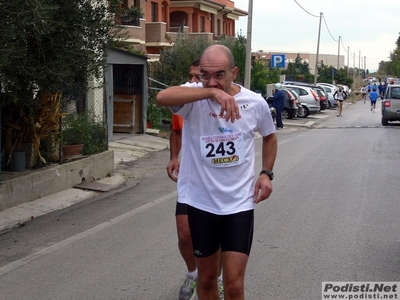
(278, 61)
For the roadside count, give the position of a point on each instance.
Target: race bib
(223, 150)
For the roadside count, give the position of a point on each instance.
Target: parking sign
(278, 61)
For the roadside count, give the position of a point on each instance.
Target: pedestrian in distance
(188, 288)
(216, 178)
(340, 95)
(374, 86)
(373, 96)
(278, 104)
(364, 93)
(382, 89)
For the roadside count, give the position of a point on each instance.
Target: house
(163, 19)
(150, 27)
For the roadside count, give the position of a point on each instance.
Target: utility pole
(365, 65)
(348, 55)
(354, 71)
(317, 56)
(338, 54)
(247, 72)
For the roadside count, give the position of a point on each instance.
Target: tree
(172, 68)
(392, 67)
(47, 44)
(341, 77)
(238, 48)
(300, 70)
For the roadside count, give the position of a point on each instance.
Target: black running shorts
(230, 232)
(181, 209)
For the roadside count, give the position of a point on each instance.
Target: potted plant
(72, 134)
(26, 125)
(81, 132)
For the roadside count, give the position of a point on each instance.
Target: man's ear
(235, 71)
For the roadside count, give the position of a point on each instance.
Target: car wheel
(286, 114)
(303, 112)
(384, 122)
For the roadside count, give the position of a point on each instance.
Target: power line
(306, 10)
(329, 30)
(340, 39)
(344, 48)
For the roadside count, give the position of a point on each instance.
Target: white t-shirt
(217, 162)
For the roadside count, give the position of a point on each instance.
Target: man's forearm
(269, 150)
(180, 95)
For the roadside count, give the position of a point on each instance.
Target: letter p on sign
(278, 61)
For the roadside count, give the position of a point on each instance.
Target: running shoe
(187, 291)
(221, 289)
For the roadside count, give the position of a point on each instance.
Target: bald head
(219, 51)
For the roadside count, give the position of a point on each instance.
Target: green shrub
(84, 129)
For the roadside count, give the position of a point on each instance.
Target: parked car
(346, 89)
(329, 91)
(297, 102)
(323, 100)
(392, 80)
(391, 104)
(370, 79)
(309, 99)
(290, 108)
(327, 84)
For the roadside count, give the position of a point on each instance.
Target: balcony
(156, 34)
(136, 34)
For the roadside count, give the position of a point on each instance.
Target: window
(154, 9)
(202, 24)
(395, 93)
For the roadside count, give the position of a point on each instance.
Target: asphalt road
(333, 216)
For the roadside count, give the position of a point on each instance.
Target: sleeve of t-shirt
(177, 122)
(265, 123)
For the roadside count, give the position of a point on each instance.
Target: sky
(367, 27)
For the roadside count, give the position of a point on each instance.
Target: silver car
(330, 90)
(391, 104)
(308, 97)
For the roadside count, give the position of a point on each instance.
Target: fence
(37, 136)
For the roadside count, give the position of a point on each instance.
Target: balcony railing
(133, 21)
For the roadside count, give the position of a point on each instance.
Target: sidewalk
(127, 148)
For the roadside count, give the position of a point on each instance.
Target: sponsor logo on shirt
(223, 129)
(214, 115)
(224, 160)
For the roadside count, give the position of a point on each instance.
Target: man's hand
(228, 105)
(262, 189)
(173, 169)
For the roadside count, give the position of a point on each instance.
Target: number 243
(221, 149)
